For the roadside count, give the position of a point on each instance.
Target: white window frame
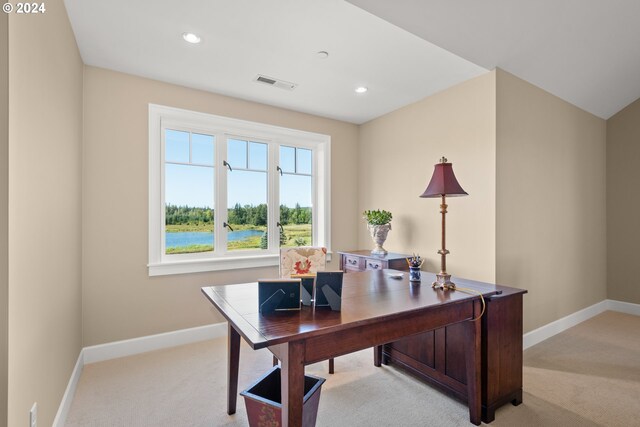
(162, 117)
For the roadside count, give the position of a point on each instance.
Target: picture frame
(329, 289)
(279, 295)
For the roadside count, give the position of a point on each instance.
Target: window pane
(188, 209)
(247, 198)
(288, 159)
(295, 210)
(176, 146)
(258, 156)
(237, 153)
(202, 149)
(304, 161)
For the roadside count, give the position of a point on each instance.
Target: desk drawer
(374, 264)
(353, 263)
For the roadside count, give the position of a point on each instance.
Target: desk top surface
(367, 297)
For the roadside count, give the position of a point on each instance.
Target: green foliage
(189, 249)
(264, 240)
(248, 214)
(188, 218)
(187, 215)
(181, 228)
(297, 215)
(248, 243)
(298, 235)
(377, 217)
(257, 215)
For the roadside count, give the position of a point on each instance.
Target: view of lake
(204, 238)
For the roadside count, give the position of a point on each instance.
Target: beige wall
(623, 200)
(120, 301)
(45, 131)
(396, 159)
(4, 211)
(551, 211)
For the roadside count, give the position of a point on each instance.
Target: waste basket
(263, 400)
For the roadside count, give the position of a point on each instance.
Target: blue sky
(193, 185)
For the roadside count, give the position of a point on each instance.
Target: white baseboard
(67, 398)
(112, 350)
(547, 331)
(623, 307)
(98, 353)
(550, 329)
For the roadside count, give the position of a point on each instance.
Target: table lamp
(443, 183)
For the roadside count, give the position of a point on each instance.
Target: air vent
(282, 84)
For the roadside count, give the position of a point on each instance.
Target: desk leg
(377, 355)
(473, 359)
(232, 371)
(292, 384)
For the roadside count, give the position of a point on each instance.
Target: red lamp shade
(443, 182)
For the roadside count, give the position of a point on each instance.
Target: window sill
(215, 264)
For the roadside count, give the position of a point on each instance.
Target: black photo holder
(279, 295)
(329, 289)
(307, 290)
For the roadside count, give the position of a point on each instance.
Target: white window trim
(161, 264)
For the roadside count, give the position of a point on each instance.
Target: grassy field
(189, 249)
(297, 231)
(207, 228)
(296, 234)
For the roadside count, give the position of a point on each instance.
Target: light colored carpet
(588, 375)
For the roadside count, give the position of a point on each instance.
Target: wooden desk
(438, 357)
(376, 309)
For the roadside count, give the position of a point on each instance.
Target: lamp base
(443, 281)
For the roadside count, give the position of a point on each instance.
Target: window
(189, 177)
(227, 193)
(247, 194)
(296, 192)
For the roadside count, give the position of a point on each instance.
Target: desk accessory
(415, 263)
(307, 291)
(279, 295)
(378, 224)
(443, 183)
(329, 289)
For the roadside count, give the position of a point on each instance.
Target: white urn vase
(379, 235)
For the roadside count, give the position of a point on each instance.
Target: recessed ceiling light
(191, 38)
(323, 54)
(361, 89)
